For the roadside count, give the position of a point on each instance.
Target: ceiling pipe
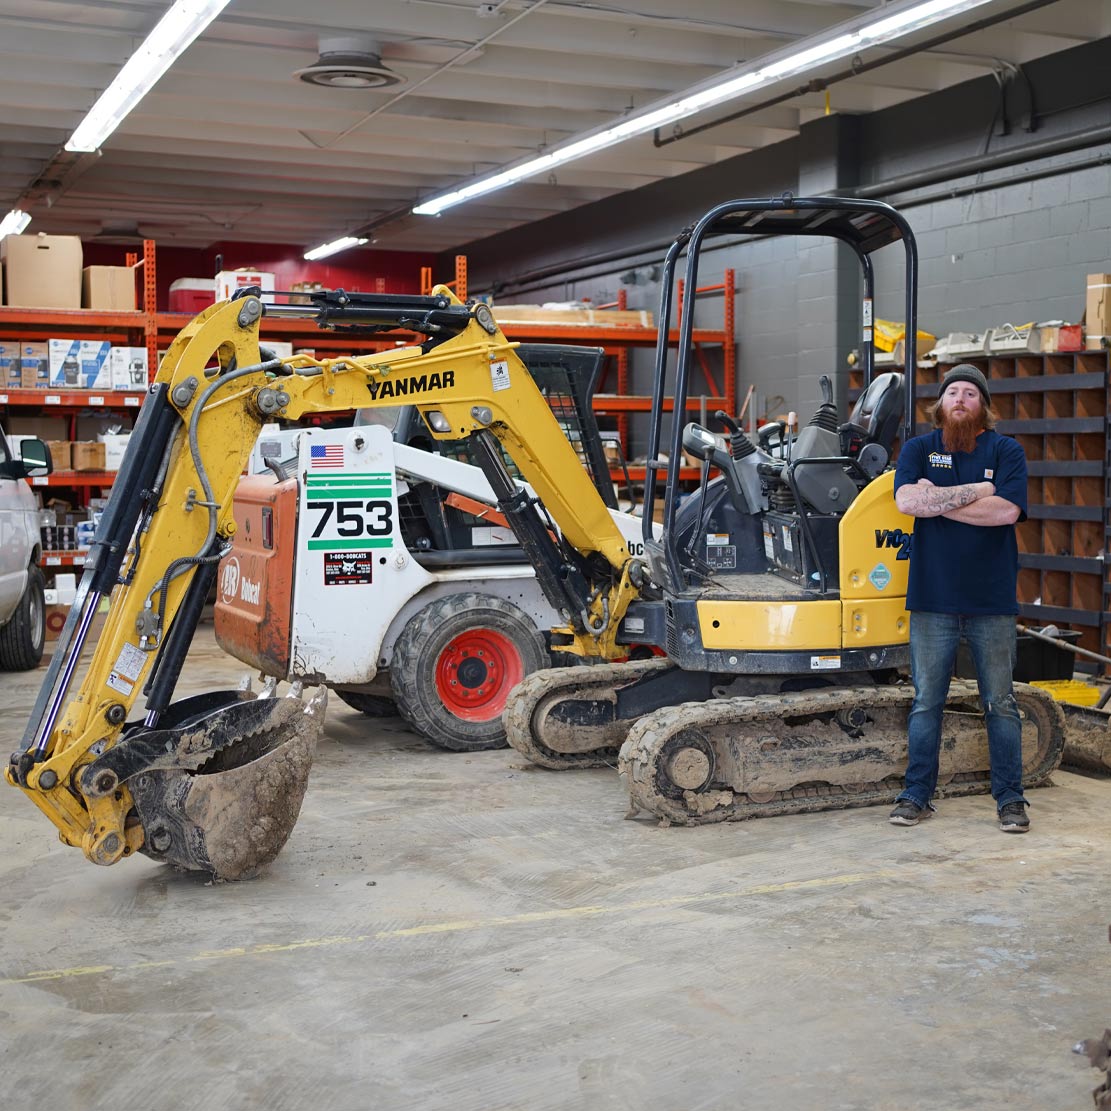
(818, 84)
(962, 167)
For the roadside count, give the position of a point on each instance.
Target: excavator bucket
(219, 785)
(1087, 738)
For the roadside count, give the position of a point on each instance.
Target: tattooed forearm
(927, 500)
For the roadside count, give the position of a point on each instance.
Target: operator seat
(870, 432)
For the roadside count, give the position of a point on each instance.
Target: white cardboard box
(96, 369)
(65, 364)
(228, 281)
(80, 364)
(129, 368)
(115, 444)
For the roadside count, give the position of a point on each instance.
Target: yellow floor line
(459, 926)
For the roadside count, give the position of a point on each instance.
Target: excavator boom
(215, 782)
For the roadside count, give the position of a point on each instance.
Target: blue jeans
(933, 651)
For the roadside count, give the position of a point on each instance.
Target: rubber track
(649, 735)
(583, 682)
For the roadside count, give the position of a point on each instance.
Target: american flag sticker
(325, 456)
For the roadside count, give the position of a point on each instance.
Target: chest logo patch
(989, 473)
(936, 459)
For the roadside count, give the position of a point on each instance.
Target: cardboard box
(56, 622)
(64, 362)
(58, 538)
(9, 364)
(42, 271)
(91, 424)
(544, 314)
(115, 444)
(80, 364)
(1097, 306)
(108, 288)
(45, 428)
(228, 281)
(129, 368)
(88, 457)
(61, 452)
(1097, 311)
(96, 366)
(34, 361)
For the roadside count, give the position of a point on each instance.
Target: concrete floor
(465, 932)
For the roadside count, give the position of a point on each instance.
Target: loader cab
(439, 529)
(792, 527)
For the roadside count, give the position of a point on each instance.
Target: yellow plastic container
(1070, 690)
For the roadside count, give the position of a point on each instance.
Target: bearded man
(966, 486)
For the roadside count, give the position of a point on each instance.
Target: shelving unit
(138, 328)
(130, 329)
(619, 340)
(1056, 406)
(155, 330)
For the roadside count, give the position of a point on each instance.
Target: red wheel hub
(475, 673)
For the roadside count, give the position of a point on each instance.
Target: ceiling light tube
(337, 245)
(159, 50)
(839, 42)
(14, 223)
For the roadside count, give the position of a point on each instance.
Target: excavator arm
(215, 782)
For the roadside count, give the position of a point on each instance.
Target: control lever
(703, 444)
(773, 428)
(739, 444)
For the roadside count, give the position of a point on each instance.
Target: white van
(22, 603)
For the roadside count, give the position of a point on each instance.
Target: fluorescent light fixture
(14, 223)
(337, 245)
(812, 56)
(171, 37)
(839, 42)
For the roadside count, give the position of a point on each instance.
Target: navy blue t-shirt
(955, 567)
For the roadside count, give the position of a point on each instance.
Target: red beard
(959, 431)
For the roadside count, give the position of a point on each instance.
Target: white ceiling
(231, 146)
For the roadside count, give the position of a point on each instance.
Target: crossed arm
(974, 503)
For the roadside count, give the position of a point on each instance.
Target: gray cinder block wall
(1013, 245)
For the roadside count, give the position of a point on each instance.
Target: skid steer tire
(373, 705)
(23, 638)
(455, 664)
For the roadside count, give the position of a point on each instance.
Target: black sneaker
(907, 813)
(1013, 819)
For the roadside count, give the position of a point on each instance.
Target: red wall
(355, 270)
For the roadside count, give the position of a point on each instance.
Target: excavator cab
(821, 472)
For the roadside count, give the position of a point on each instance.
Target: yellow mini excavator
(776, 591)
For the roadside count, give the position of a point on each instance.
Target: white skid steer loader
(382, 568)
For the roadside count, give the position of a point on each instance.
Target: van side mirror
(36, 458)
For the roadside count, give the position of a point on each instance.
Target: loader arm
(212, 783)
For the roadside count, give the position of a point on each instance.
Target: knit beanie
(966, 372)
